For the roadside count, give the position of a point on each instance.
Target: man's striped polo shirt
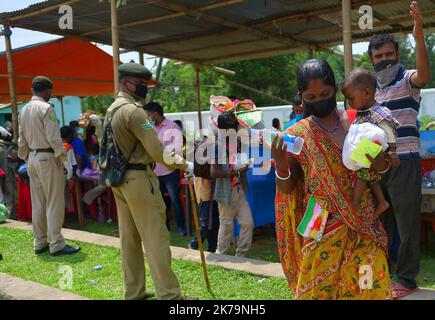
(403, 99)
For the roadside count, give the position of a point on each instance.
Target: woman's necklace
(332, 131)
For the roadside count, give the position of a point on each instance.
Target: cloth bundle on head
(356, 133)
(245, 111)
(218, 105)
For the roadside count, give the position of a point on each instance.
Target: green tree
(275, 75)
(271, 75)
(425, 120)
(98, 104)
(178, 93)
(430, 43)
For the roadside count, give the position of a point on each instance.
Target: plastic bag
(353, 138)
(4, 213)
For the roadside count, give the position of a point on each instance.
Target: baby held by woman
(359, 89)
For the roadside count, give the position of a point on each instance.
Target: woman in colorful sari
(344, 257)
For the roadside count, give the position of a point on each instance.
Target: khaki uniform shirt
(39, 129)
(130, 123)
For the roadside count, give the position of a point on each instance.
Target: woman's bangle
(281, 178)
(386, 169)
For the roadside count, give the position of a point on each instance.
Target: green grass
(20, 260)
(426, 278)
(263, 246)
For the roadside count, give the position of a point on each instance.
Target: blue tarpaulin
(261, 194)
(427, 140)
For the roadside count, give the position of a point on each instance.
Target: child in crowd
(359, 89)
(67, 134)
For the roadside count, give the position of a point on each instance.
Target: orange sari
(350, 260)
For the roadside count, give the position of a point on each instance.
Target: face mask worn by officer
(386, 72)
(141, 90)
(321, 109)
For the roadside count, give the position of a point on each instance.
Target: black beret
(41, 83)
(135, 70)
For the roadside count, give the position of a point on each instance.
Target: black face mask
(386, 72)
(385, 64)
(321, 109)
(141, 91)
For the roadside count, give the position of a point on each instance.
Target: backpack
(112, 163)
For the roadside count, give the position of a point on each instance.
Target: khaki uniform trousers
(141, 217)
(47, 183)
(239, 209)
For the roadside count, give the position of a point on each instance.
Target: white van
(283, 112)
(427, 105)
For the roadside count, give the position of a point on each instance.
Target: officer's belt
(48, 150)
(140, 166)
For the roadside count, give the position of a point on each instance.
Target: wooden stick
(161, 18)
(198, 96)
(62, 110)
(11, 77)
(159, 70)
(347, 35)
(285, 18)
(79, 202)
(141, 61)
(115, 44)
(43, 10)
(198, 233)
(241, 85)
(26, 76)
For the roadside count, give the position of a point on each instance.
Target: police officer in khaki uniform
(40, 145)
(141, 210)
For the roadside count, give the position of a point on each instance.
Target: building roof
(76, 67)
(215, 31)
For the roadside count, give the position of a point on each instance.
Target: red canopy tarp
(77, 68)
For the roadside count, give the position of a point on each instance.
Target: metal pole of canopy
(115, 44)
(241, 85)
(310, 53)
(159, 71)
(11, 77)
(62, 110)
(347, 35)
(198, 96)
(141, 61)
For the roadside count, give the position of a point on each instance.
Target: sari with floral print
(350, 260)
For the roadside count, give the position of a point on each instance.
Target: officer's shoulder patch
(146, 126)
(52, 117)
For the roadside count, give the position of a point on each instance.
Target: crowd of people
(353, 235)
(322, 261)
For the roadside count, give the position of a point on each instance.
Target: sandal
(399, 291)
